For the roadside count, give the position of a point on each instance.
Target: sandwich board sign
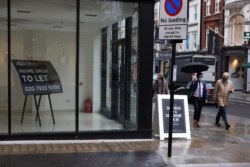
(181, 123)
(173, 19)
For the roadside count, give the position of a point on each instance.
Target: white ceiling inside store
(61, 14)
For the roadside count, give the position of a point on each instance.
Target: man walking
(199, 96)
(222, 90)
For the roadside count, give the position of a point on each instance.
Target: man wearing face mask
(199, 96)
(222, 90)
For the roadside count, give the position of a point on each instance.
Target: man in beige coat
(222, 90)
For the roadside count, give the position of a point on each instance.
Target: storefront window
(3, 69)
(43, 44)
(43, 69)
(108, 65)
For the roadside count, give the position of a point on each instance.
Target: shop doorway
(123, 90)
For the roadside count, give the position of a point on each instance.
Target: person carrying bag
(160, 86)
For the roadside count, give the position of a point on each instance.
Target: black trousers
(198, 104)
(221, 113)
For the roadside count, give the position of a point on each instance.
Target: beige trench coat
(222, 91)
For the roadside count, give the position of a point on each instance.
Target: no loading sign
(173, 12)
(173, 7)
(173, 19)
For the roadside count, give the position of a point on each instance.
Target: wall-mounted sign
(173, 19)
(181, 123)
(246, 35)
(38, 77)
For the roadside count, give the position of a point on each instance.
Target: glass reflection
(104, 65)
(44, 31)
(3, 69)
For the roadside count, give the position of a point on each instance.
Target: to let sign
(38, 77)
(173, 19)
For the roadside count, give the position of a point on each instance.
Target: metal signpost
(173, 27)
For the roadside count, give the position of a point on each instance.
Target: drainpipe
(201, 26)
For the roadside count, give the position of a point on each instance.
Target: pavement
(240, 96)
(209, 146)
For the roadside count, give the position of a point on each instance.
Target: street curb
(239, 100)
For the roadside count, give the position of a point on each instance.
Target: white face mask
(224, 79)
(199, 77)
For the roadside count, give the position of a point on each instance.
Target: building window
(216, 29)
(217, 6)
(195, 41)
(236, 28)
(121, 27)
(195, 13)
(187, 42)
(208, 5)
(207, 36)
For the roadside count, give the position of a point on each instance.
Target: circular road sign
(173, 7)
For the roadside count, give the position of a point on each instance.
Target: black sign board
(180, 118)
(179, 125)
(38, 77)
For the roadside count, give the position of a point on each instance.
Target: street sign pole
(173, 27)
(172, 83)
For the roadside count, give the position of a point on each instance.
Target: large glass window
(217, 6)
(3, 68)
(108, 65)
(195, 13)
(207, 37)
(208, 5)
(43, 33)
(43, 66)
(195, 41)
(187, 41)
(236, 27)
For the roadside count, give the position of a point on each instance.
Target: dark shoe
(195, 124)
(227, 126)
(218, 124)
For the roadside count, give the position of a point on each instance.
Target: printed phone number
(42, 88)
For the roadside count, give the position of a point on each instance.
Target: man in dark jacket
(199, 96)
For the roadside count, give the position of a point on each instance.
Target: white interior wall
(59, 48)
(85, 68)
(3, 70)
(20, 50)
(96, 66)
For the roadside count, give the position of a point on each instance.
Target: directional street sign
(173, 19)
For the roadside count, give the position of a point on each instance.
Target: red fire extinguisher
(88, 105)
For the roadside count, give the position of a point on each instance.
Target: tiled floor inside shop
(64, 121)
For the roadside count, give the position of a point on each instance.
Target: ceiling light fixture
(23, 11)
(90, 15)
(57, 26)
